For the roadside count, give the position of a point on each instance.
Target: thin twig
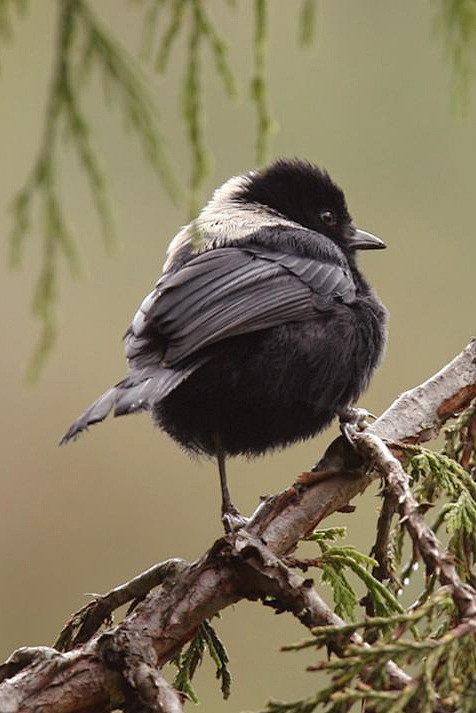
(380, 549)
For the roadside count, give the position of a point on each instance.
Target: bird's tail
(129, 396)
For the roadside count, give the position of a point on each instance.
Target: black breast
(268, 389)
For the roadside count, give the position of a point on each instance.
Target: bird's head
(303, 193)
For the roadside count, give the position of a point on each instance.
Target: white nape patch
(223, 219)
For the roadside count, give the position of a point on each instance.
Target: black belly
(268, 389)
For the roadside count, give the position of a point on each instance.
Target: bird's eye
(328, 217)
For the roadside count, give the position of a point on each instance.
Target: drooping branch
(119, 666)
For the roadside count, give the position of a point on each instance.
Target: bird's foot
(353, 419)
(233, 520)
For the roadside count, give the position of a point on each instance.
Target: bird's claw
(356, 416)
(353, 419)
(347, 430)
(233, 520)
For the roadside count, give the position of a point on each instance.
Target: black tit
(261, 328)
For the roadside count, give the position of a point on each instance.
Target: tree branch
(436, 558)
(119, 667)
(85, 623)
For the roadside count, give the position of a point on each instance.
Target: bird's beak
(366, 241)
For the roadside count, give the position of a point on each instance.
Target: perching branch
(119, 666)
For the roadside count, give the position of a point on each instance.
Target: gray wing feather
(230, 291)
(260, 310)
(130, 396)
(315, 274)
(140, 396)
(95, 413)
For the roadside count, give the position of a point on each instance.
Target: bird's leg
(230, 515)
(350, 418)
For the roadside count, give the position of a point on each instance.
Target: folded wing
(219, 294)
(231, 291)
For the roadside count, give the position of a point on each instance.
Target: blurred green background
(371, 101)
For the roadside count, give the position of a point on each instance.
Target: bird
(262, 327)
